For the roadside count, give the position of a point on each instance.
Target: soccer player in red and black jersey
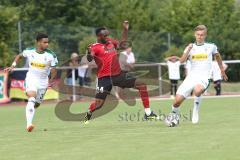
(109, 73)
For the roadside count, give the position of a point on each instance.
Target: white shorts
(189, 83)
(37, 85)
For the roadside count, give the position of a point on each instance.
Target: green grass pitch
(121, 137)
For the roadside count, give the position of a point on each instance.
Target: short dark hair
(98, 30)
(41, 36)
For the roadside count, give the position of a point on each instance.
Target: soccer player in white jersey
(42, 61)
(200, 55)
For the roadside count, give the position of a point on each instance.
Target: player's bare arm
(186, 53)
(220, 64)
(125, 31)
(15, 62)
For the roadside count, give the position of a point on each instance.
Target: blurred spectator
(74, 62)
(84, 71)
(217, 77)
(173, 64)
(127, 60)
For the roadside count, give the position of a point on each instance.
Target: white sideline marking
(192, 97)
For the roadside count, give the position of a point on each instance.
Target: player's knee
(178, 100)
(139, 84)
(99, 103)
(176, 103)
(198, 93)
(31, 94)
(198, 90)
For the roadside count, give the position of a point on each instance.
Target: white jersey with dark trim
(40, 63)
(200, 57)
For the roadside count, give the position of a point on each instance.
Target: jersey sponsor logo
(38, 65)
(200, 56)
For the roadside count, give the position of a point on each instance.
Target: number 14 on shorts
(100, 89)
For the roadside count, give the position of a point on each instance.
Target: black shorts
(104, 84)
(217, 82)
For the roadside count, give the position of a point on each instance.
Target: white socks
(175, 109)
(30, 110)
(147, 111)
(196, 106)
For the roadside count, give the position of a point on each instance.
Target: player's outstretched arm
(15, 62)
(186, 53)
(220, 64)
(125, 31)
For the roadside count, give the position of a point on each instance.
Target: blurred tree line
(71, 24)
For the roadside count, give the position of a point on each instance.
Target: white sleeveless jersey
(200, 57)
(39, 63)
